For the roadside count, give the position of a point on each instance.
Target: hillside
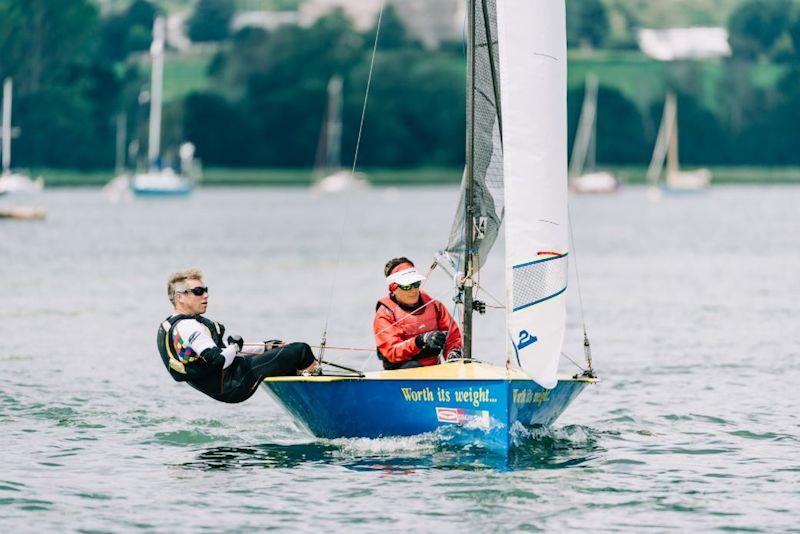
(649, 13)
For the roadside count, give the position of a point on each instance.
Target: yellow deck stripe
(457, 370)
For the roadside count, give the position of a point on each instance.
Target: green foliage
(794, 33)
(587, 23)
(757, 25)
(210, 20)
(415, 114)
(58, 131)
(129, 31)
(672, 13)
(393, 34)
(64, 95)
(262, 98)
(232, 142)
(42, 40)
(184, 74)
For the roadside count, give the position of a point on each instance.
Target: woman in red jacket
(412, 329)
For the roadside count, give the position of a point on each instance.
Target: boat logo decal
(525, 339)
(458, 416)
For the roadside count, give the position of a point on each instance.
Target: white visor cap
(405, 277)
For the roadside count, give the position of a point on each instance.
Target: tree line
(75, 70)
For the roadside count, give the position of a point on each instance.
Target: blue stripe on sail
(540, 261)
(540, 300)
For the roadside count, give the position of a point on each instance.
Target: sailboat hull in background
(161, 183)
(688, 180)
(594, 182)
(340, 181)
(469, 403)
(20, 183)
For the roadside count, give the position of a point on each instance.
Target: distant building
(361, 12)
(429, 21)
(268, 20)
(684, 43)
(433, 21)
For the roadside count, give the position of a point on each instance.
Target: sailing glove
(454, 354)
(431, 340)
(479, 306)
(236, 340)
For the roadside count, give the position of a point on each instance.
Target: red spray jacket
(396, 329)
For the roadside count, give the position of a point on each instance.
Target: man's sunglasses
(409, 286)
(196, 291)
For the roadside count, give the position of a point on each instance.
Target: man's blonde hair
(179, 278)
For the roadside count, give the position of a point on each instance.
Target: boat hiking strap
(334, 274)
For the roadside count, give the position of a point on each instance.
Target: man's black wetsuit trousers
(240, 380)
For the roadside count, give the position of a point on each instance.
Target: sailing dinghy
(515, 168)
(583, 175)
(160, 180)
(666, 148)
(13, 181)
(330, 176)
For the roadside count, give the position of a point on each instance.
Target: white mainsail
(533, 77)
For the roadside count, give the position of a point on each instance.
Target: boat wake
(535, 448)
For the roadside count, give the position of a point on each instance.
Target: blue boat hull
(179, 192)
(469, 402)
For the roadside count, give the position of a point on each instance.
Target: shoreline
(268, 177)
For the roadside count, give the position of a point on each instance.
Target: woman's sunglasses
(196, 291)
(409, 286)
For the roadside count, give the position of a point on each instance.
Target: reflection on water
(567, 447)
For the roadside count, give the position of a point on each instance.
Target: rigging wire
(576, 364)
(587, 349)
(324, 340)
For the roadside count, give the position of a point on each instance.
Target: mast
(591, 158)
(672, 151)
(6, 132)
(665, 132)
(122, 127)
(334, 124)
(156, 85)
(583, 146)
(468, 204)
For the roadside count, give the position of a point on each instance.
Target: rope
(586, 345)
(352, 349)
(564, 354)
(352, 174)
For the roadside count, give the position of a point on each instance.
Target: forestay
(533, 68)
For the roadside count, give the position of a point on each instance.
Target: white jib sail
(533, 93)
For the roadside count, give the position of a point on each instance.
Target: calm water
(691, 304)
